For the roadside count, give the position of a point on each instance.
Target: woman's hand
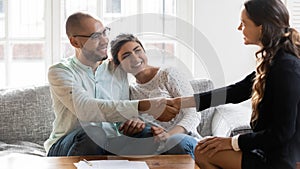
(132, 126)
(212, 145)
(160, 134)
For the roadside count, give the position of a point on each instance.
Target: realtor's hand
(212, 145)
(132, 126)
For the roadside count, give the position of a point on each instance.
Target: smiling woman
(177, 136)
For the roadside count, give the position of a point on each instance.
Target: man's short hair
(73, 22)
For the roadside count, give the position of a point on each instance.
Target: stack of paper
(111, 164)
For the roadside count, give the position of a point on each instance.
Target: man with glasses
(87, 91)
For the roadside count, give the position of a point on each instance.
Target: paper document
(111, 164)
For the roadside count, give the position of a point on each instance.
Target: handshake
(165, 109)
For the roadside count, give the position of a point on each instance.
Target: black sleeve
(234, 93)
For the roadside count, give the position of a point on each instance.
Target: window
(294, 9)
(32, 40)
(159, 6)
(2, 21)
(112, 8)
(22, 49)
(1, 6)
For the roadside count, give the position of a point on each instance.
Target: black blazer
(277, 130)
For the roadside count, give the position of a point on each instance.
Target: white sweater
(168, 82)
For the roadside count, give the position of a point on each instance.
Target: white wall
(218, 21)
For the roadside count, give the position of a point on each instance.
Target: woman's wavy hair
(276, 34)
(119, 41)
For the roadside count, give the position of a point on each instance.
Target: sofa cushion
(26, 114)
(203, 85)
(231, 119)
(22, 147)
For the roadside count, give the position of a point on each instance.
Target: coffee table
(154, 162)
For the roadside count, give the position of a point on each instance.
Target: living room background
(32, 34)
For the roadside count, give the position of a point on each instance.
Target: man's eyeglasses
(96, 35)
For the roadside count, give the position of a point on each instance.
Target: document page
(111, 164)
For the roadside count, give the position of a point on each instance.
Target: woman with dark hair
(178, 136)
(275, 92)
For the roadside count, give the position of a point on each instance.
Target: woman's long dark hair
(276, 34)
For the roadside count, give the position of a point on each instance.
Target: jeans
(180, 144)
(78, 143)
(92, 140)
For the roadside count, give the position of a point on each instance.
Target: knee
(183, 140)
(93, 134)
(181, 144)
(178, 139)
(200, 158)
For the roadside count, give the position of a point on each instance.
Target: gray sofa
(26, 117)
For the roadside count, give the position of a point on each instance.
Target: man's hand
(168, 114)
(174, 102)
(212, 145)
(158, 108)
(132, 126)
(182, 102)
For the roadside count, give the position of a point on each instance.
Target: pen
(87, 162)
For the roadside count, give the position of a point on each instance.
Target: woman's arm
(235, 93)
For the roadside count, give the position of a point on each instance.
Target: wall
(218, 21)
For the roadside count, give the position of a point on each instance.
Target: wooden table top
(154, 162)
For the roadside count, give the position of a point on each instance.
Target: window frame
(112, 15)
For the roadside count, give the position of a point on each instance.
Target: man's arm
(72, 96)
(78, 101)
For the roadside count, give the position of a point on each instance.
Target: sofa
(26, 117)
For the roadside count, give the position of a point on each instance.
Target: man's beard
(91, 56)
(104, 58)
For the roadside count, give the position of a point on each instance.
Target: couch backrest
(26, 114)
